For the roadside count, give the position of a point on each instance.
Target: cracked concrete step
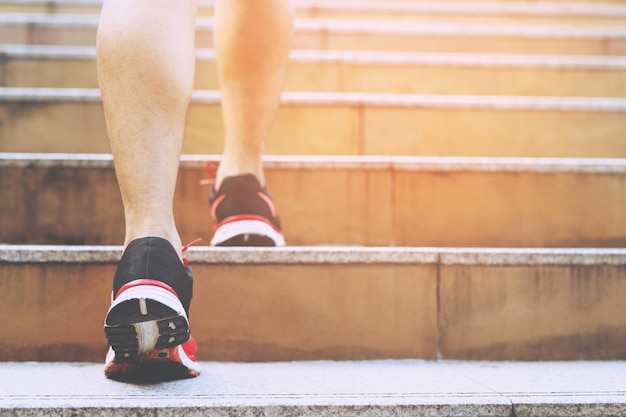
(334, 34)
(357, 71)
(327, 123)
(382, 388)
(545, 12)
(305, 303)
(403, 201)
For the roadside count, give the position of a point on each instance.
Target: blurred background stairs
(451, 177)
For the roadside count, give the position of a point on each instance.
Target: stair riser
(352, 77)
(426, 43)
(361, 40)
(324, 128)
(341, 207)
(260, 313)
(240, 313)
(523, 314)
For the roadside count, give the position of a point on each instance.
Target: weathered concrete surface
(398, 388)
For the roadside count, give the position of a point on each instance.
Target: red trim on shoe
(216, 203)
(190, 347)
(113, 368)
(244, 217)
(269, 202)
(146, 281)
(262, 195)
(116, 369)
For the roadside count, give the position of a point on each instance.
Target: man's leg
(145, 58)
(252, 42)
(145, 70)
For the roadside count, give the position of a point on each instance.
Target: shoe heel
(135, 326)
(130, 341)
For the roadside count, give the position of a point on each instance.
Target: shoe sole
(247, 233)
(143, 319)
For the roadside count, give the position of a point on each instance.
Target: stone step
(327, 123)
(545, 12)
(374, 201)
(29, 28)
(358, 71)
(338, 303)
(372, 388)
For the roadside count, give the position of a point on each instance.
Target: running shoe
(147, 325)
(243, 214)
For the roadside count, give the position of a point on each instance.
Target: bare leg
(252, 41)
(145, 68)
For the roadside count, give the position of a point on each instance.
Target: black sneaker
(147, 325)
(243, 214)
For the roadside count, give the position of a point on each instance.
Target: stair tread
(464, 6)
(390, 387)
(361, 57)
(463, 101)
(486, 8)
(556, 38)
(361, 26)
(331, 255)
(343, 162)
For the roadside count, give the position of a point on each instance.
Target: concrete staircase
(452, 181)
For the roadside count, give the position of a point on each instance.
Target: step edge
(325, 255)
(549, 9)
(361, 27)
(370, 163)
(386, 100)
(451, 59)
(377, 27)
(355, 57)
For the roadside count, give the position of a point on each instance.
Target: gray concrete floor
(392, 387)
